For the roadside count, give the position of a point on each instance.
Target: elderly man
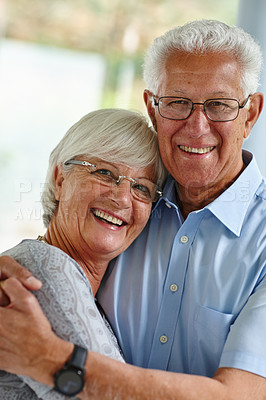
(189, 296)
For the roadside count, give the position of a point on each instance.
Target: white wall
(252, 18)
(44, 90)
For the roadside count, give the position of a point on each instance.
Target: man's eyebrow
(181, 93)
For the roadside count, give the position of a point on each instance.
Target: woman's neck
(93, 266)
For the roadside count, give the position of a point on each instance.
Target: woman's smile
(106, 217)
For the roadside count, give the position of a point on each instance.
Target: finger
(11, 268)
(23, 311)
(19, 297)
(4, 300)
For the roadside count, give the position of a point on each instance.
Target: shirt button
(174, 287)
(163, 339)
(184, 239)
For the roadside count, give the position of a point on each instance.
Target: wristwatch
(70, 379)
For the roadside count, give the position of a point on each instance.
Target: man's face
(200, 78)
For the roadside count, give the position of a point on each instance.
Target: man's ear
(148, 99)
(254, 110)
(58, 181)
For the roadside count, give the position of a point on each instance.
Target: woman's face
(97, 219)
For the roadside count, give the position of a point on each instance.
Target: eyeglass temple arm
(155, 102)
(77, 162)
(245, 102)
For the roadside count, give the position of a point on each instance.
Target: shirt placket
(172, 293)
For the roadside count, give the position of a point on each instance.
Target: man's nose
(198, 119)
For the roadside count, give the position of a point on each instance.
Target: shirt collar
(231, 206)
(169, 197)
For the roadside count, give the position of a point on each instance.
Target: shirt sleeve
(245, 346)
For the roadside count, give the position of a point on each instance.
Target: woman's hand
(28, 346)
(10, 268)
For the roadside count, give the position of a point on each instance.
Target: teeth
(108, 217)
(200, 150)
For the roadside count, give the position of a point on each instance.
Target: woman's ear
(254, 110)
(148, 99)
(59, 177)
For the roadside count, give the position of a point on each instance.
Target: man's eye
(218, 104)
(181, 102)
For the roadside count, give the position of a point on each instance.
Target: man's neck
(195, 198)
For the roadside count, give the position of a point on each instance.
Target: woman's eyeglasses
(142, 189)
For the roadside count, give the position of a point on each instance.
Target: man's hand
(10, 268)
(28, 346)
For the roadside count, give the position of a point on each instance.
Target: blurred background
(60, 59)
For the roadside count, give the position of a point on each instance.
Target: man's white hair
(202, 37)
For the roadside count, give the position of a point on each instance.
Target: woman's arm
(24, 327)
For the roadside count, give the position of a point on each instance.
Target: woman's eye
(142, 188)
(104, 174)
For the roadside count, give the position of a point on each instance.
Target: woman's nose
(122, 191)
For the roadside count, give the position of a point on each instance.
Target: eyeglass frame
(132, 181)
(240, 106)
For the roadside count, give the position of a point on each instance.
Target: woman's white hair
(114, 135)
(201, 37)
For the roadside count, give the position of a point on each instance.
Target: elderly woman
(102, 179)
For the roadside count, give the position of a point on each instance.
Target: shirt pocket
(211, 328)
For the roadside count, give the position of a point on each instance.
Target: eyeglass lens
(143, 189)
(215, 109)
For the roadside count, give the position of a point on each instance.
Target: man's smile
(200, 150)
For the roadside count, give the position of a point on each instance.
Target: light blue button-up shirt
(190, 296)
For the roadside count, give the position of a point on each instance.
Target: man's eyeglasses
(179, 108)
(142, 189)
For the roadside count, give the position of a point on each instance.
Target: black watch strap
(78, 357)
(69, 380)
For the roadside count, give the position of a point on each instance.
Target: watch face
(69, 382)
